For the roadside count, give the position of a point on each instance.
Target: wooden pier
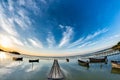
(55, 73)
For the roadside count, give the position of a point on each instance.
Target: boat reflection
(115, 71)
(18, 58)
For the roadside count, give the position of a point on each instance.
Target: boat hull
(83, 63)
(115, 65)
(67, 60)
(95, 60)
(37, 60)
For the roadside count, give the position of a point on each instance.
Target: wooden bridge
(55, 73)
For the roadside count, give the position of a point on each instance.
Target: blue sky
(59, 27)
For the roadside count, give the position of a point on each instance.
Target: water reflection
(3, 55)
(13, 70)
(115, 71)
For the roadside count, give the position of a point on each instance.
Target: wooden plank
(55, 72)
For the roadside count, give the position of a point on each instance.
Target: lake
(23, 70)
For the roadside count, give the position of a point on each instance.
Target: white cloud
(115, 36)
(17, 15)
(36, 43)
(66, 36)
(50, 40)
(84, 44)
(10, 4)
(6, 23)
(21, 2)
(96, 34)
(76, 43)
(9, 41)
(61, 26)
(32, 5)
(16, 41)
(82, 40)
(44, 1)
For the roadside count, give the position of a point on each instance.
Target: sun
(5, 42)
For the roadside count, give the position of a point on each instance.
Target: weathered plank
(55, 73)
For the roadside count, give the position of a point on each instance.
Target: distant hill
(1, 50)
(14, 52)
(117, 46)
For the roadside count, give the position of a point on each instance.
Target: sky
(59, 27)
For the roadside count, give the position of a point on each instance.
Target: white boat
(115, 64)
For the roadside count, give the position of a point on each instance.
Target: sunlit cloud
(9, 41)
(82, 41)
(16, 41)
(51, 40)
(66, 36)
(6, 24)
(5, 41)
(96, 34)
(84, 44)
(35, 42)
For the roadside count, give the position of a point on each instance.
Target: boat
(96, 60)
(55, 72)
(67, 60)
(115, 64)
(35, 60)
(83, 63)
(18, 58)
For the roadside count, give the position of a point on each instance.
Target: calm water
(14, 70)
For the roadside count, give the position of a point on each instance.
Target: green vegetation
(116, 47)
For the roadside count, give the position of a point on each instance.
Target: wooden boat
(83, 63)
(36, 60)
(55, 73)
(115, 64)
(95, 60)
(18, 58)
(67, 60)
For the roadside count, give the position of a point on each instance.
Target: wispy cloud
(13, 25)
(35, 42)
(8, 40)
(6, 24)
(17, 41)
(83, 40)
(44, 1)
(66, 36)
(84, 44)
(96, 34)
(61, 26)
(50, 40)
(32, 6)
(75, 43)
